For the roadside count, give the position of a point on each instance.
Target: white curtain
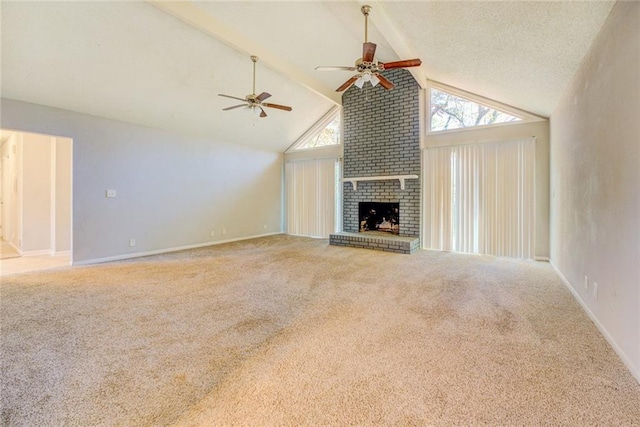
(311, 197)
(480, 198)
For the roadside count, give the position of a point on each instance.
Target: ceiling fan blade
(368, 51)
(279, 107)
(234, 107)
(262, 113)
(385, 83)
(263, 96)
(232, 97)
(346, 85)
(402, 64)
(336, 68)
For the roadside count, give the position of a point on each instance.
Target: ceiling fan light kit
(253, 101)
(368, 68)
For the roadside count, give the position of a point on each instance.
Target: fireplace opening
(379, 217)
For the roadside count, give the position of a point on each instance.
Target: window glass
(330, 135)
(450, 111)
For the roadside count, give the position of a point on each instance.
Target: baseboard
(43, 252)
(625, 359)
(168, 250)
(36, 253)
(542, 258)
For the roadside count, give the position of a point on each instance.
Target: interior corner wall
(172, 190)
(539, 130)
(595, 182)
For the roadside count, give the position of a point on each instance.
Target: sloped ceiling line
(192, 15)
(161, 64)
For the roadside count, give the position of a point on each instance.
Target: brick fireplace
(382, 143)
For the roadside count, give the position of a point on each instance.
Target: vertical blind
(481, 198)
(311, 197)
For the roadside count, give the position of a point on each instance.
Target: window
(449, 111)
(312, 197)
(330, 135)
(326, 132)
(480, 198)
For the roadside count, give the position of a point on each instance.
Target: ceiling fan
(368, 68)
(254, 101)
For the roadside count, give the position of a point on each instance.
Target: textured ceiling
(522, 53)
(136, 62)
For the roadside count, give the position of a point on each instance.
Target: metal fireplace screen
(379, 216)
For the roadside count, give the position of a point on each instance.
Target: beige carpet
(291, 331)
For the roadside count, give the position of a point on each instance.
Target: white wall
(36, 193)
(61, 194)
(595, 182)
(172, 190)
(10, 168)
(539, 130)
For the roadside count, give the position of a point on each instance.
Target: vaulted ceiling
(162, 64)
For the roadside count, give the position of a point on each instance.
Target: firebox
(379, 216)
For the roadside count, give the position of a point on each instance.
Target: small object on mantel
(401, 178)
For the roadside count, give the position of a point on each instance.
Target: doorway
(36, 198)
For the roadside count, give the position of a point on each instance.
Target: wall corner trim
(635, 371)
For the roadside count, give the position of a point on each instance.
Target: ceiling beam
(192, 15)
(396, 41)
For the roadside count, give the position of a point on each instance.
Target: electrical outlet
(264, 226)
(213, 233)
(224, 230)
(132, 242)
(111, 193)
(586, 282)
(595, 291)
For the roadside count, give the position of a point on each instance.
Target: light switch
(111, 193)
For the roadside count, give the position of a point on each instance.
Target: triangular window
(330, 135)
(449, 111)
(325, 132)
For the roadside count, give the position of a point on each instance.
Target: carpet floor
(291, 331)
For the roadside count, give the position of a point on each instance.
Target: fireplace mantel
(401, 178)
